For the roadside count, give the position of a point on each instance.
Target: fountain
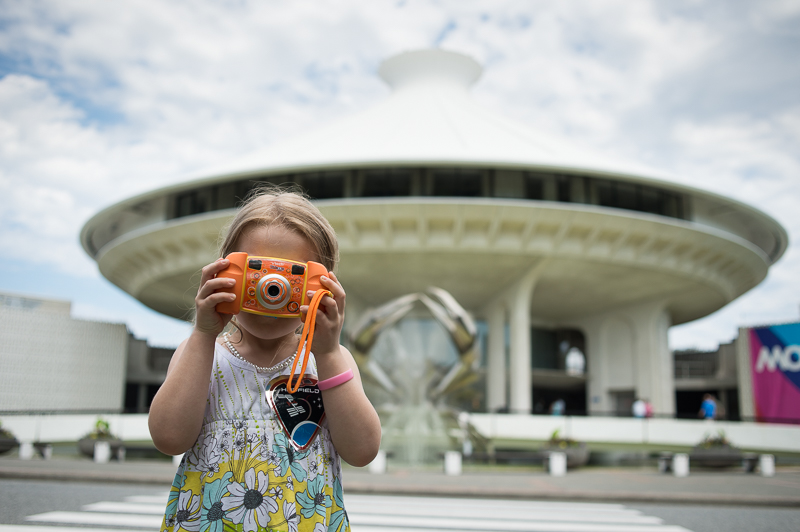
(411, 363)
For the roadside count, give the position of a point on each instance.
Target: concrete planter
(6, 444)
(716, 456)
(577, 453)
(86, 445)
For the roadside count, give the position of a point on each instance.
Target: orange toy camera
(270, 286)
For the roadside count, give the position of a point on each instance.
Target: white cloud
(576, 67)
(100, 101)
(755, 161)
(41, 176)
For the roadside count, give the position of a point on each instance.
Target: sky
(103, 100)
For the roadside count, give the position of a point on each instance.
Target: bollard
(26, 450)
(47, 452)
(176, 460)
(102, 452)
(378, 465)
(766, 462)
(680, 465)
(466, 448)
(665, 463)
(557, 464)
(452, 463)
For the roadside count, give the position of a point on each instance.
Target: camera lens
(273, 291)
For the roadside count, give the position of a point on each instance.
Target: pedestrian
(639, 408)
(708, 408)
(558, 407)
(228, 404)
(575, 362)
(648, 408)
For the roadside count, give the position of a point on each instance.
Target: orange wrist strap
(306, 338)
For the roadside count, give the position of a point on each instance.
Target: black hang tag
(300, 413)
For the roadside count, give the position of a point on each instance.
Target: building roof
(428, 119)
(600, 256)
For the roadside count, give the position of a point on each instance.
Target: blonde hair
(271, 205)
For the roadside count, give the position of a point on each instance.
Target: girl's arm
(176, 415)
(354, 425)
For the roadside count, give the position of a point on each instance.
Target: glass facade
(549, 347)
(445, 182)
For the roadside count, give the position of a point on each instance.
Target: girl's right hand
(207, 319)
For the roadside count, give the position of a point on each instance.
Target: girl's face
(279, 242)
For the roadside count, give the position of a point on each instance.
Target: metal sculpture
(419, 424)
(445, 310)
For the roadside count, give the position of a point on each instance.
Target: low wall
(71, 428)
(632, 431)
(609, 430)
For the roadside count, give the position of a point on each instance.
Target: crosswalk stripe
(496, 509)
(92, 518)
(389, 508)
(504, 515)
(362, 511)
(486, 503)
(125, 508)
(161, 498)
(386, 513)
(481, 525)
(531, 528)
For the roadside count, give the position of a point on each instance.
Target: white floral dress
(264, 459)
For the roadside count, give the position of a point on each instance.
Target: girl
(224, 401)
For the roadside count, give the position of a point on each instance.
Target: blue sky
(103, 100)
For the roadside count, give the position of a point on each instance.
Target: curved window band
(445, 182)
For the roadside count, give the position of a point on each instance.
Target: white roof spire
(430, 66)
(430, 118)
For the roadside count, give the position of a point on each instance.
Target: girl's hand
(207, 319)
(330, 317)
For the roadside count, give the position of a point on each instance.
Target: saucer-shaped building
(550, 247)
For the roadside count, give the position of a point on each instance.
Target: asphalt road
(725, 518)
(22, 498)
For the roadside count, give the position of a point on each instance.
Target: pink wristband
(335, 381)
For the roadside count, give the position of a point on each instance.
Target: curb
(86, 476)
(360, 485)
(583, 496)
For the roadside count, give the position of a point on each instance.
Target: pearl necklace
(279, 366)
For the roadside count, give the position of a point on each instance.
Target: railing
(688, 369)
(666, 433)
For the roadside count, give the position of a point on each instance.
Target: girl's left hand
(330, 317)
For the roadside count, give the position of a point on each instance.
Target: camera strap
(306, 338)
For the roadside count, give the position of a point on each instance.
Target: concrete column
(597, 397)
(654, 377)
(520, 400)
(496, 372)
(629, 352)
(747, 409)
(520, 355)
(141, 397)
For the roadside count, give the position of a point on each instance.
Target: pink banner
(775, 367)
